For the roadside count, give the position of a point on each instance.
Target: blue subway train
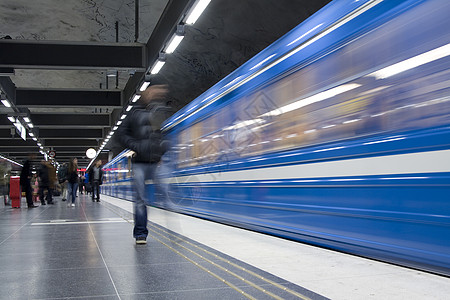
(337, 135)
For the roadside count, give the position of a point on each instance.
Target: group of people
(46, 174)
(67, 177)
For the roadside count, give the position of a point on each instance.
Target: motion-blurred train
(337, 135)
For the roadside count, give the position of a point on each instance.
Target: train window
(184, 148)
(339, 96)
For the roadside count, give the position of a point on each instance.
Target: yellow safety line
(220, 267)
(201, 267)
(193, 262)
(237, 266)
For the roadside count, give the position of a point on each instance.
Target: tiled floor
(87, 252)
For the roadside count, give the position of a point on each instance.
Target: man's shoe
(141, 240)
(63, 199)
(98, 200)
(32, 206)
(43, 203)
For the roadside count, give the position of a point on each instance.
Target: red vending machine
(14, 191)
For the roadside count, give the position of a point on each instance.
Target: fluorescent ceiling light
(173, 43)
(12, 119)
(30, 125)
(26, 119)
(35, 139)
(136, 98)
(144, 86)
(157, 67)
(30, 134)
(129, 108)
(6, 103)
(196, 11)
(413, 62)
(118, 123)
(111, 73)
(115, 127)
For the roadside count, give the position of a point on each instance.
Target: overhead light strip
(174, 42)
(191, 17)
(157, 67)
(319, 35)
(6, 103)
(196, 10)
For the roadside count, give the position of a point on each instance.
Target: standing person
(62, 178)
(81, 184)
(87, 185)
(44, 183)
(51, 181)
(72, 178)
(25, 182)
(96, 179)
(35, 186)
(137, 134)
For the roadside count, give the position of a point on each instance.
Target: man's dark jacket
(25, 174)
(137, 134)
(43, 175)
(91, 175)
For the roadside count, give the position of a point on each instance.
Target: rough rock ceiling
(228, 34)
(77, 21)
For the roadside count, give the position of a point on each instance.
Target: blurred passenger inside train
(95, 176)
(44, 183)
(140, 133)
(73, 180)
(25, 181)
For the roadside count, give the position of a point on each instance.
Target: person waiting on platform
(25, 181)
(44, 183)
(52, 181)
(62, 178)
(72, 178)
(95, 176)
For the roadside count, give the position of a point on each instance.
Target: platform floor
(87, 252)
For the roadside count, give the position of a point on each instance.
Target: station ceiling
(55, 58)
